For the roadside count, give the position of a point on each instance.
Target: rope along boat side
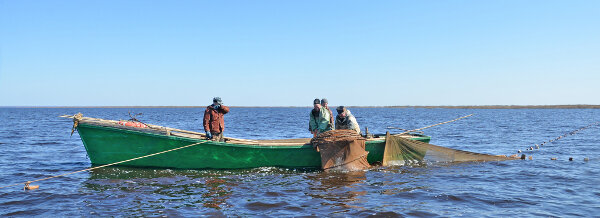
(109, 141)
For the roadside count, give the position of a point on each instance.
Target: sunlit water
(35, 143)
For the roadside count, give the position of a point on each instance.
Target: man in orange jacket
(214, 124)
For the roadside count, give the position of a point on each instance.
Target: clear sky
(286, 53)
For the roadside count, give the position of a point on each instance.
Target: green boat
(109, 141)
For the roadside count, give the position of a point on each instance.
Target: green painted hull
(106, 145)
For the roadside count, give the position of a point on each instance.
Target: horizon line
(558, 106)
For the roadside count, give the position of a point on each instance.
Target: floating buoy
(553, 158)
(531, 148)
(519, 151)
(30, 187)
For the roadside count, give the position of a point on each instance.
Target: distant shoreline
(576, 106)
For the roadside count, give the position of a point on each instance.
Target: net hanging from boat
(401, 151)
(342, 150)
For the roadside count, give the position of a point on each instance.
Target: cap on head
(324, 101)
(217, 100)
(317, 101)
(340, 109)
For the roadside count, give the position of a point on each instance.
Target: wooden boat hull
(109, 144)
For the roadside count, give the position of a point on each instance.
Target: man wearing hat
(320, 119)
(345, 120)
(325, 104)
(214, 124)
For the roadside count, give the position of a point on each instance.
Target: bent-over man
(345, 120)
(213, 122)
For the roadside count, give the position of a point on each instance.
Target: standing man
(345, 120)
(214, 124)
(325, 104)
(319, 119)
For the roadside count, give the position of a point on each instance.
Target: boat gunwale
(188, 136)
(230, 143)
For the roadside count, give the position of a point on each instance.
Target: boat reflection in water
(270, 191)
(337, 188)
(144, 191)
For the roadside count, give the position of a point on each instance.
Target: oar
(419, 129)
(390, 127)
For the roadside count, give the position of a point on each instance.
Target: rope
(414, 130)
(561, 137)
(98, 167)
(391, 127)
(76, 118)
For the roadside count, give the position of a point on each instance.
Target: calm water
(35, 143)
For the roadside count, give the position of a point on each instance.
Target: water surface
(35, 143)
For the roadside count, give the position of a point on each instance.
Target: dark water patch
(46, 143)
(505, 203)
(417, 213)
(294, 209)
(454, 198)
(25, 212)
(215, 213)
(262, 206)
(569, 191)
(291, 190)
(273, 194)
(14, 202)
(385, 214)
(364, 213)
(542, 214)
(574, 214)
(10, 136)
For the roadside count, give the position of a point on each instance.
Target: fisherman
(345, 120)
(325, 104)
(214, 124)
(320, 119)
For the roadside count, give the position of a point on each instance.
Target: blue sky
(286, 53)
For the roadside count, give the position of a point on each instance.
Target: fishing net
(401, 151)
(342, 150)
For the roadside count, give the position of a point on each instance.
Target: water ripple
(38, 145)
